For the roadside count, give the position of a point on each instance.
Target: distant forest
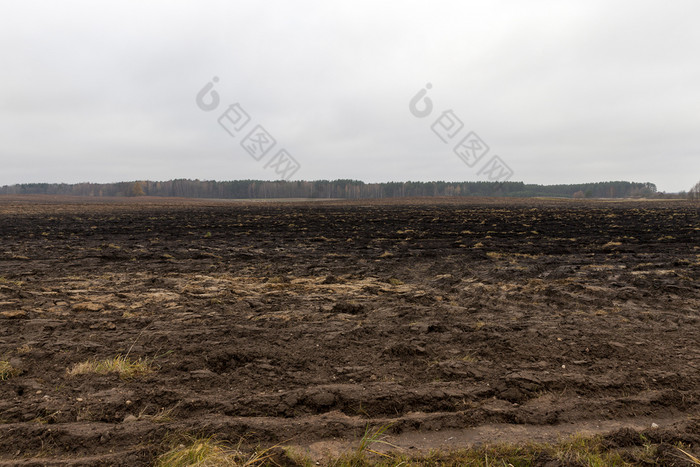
(351, 189)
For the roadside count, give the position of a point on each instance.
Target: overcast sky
(562, 92)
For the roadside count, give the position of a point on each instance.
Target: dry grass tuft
(161, 416)
(358, 457)
(611, 244)
(691, 458)
(121, 364)
(7, 371)
(210, 452)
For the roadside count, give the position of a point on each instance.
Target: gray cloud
(563, 91)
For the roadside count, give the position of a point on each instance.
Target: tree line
(350, 189)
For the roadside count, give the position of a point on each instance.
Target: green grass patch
(577, 450)
(373, 449)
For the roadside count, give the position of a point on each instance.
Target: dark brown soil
(299, 322)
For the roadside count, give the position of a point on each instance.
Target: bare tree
(694, 193)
